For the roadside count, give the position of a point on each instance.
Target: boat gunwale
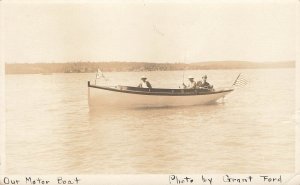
(190, 93)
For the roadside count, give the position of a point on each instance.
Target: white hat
(143, 77)
(190, 77)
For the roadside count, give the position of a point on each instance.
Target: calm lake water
(50, 128)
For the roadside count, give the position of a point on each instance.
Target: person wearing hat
(144, 83)
(192, 84)
(204, 84)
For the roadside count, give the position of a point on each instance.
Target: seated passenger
(144, 83)
(192, 84)
(199, 84)
(204, 84)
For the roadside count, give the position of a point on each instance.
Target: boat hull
(114, 97)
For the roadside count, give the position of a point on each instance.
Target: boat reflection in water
(127, 96)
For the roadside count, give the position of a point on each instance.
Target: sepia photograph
(148, 87)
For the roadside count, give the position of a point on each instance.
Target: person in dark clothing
(204, 83)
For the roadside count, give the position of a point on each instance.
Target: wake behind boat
(125, 96)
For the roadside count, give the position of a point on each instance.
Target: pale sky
(148, 32)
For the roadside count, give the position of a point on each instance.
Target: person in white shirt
(144, 83)
(192, 84)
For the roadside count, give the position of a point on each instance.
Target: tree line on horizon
(89, 67)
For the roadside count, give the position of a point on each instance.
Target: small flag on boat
(240, 81)
(100, 74)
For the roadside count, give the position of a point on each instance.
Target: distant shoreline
(90, 67)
